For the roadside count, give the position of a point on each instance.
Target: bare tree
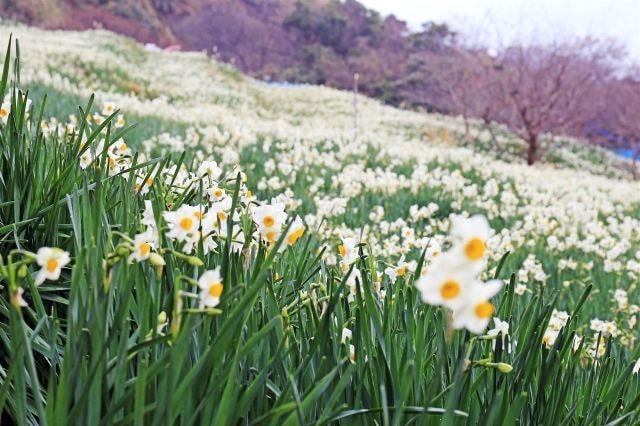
(533, 90)
(551, 88)
(465, 83)
(617, 125)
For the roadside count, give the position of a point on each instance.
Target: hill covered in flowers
(584, 88)
(220, 236)
(157, 86)
(318, 41)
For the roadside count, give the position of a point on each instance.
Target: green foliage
(91, 347)
(326, 26)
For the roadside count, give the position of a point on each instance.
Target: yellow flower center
(215, 290)
(484, 310)
(271, 236)
(3, 112)
(475, 248)
(186, 223)
(222, 216)
(342, 250)
(268, 221)
(400, 271)
(295, 236)
(112, 163)
(145, 248)
(52, 265)
(218, 193)
(198, 214)
(450, 289)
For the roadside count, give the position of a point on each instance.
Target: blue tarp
(626, 153)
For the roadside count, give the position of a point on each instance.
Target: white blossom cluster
(396, 187)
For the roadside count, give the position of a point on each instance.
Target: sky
(499, 22)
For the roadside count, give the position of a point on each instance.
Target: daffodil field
(180, 244)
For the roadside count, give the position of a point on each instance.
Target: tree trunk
(465, 137)
(532, 152)
(634, 163)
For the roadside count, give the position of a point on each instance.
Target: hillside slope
(318, 42)
(194, 90)
(329, 42)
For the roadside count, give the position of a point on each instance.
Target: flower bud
(23, 271)
(123, 251)
(158, 263)
(177, 316)
(504, 367)
(156, 260)
(194, 261)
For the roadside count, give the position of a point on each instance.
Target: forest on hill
(572, 88)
